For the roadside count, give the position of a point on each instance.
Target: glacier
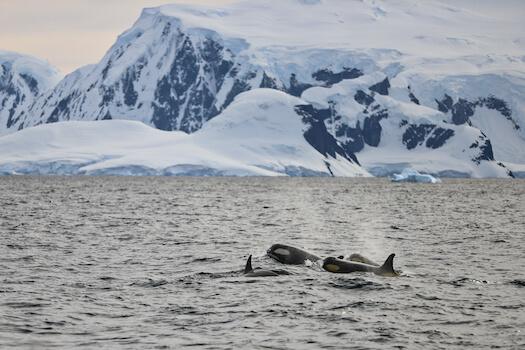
(435, 86)
(259, 134)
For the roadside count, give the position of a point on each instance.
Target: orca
(290, 255)
(335, 265)
(363, 259)
(249, 272)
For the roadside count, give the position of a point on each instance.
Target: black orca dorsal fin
(388, 267)
(248, 267)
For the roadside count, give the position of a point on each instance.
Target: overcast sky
(71, 33)
(74, 33)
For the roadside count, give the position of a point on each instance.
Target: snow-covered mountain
(262, 133)
(23, 78)
(436, 85)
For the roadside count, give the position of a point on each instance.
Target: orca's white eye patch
(282, 251)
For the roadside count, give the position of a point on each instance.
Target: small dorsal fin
(388, 267)
(248, 267)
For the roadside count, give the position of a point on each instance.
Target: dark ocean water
(156, 263)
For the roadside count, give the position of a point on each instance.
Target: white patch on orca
(282, 251)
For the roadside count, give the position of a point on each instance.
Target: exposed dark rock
(184, 99)
(107, 116)
(166, 30)
(184, 69)
(354, 137)
(130, 95)
(31, 83)
(381, 87)
(239, 86)
(438, 137)
(509, 172)
(165, 108)
(318, 137)
(296, 87)
(11, 119)
(485, 147)
(416, 134)
(372, 131)
(363, 98)
(213, 55)
(412, 96)
(492, 102)
(330, 78)
(14, 95)
(269, 83)
(6, 83)
(106, 69)
(324, 114)
(198, 109)
(372, 128)
(446, 104)
(61, 108)
(108, 93)
(462, 111)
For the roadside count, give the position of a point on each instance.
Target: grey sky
(71, 33)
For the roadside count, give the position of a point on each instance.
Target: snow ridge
(23, 78)
(436, 86)
(257, 135)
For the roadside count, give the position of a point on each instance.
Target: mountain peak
(431, 84)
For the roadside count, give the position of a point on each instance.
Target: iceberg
(7, 172)
(410, 175)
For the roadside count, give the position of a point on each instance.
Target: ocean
(97, 262)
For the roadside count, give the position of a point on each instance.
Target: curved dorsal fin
(388, 267)
(248, 267)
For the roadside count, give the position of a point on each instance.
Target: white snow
(41, 70)
(465, 49)
(410, 175)
(420, 32)
(453, 159)
(18, 73)
(259, 134)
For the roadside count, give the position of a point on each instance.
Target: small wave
(460, 322)
(108, 278)
(460, 282)
(15, 246)
(22, 330)
(511, 307)
(150, 283)
(519, 283)
(198, 260)
(427, 297)
(361, 304)
(126, 238)
(357, 283)
(197, 277)
(23, 305)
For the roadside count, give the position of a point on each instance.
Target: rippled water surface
(156, 263)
